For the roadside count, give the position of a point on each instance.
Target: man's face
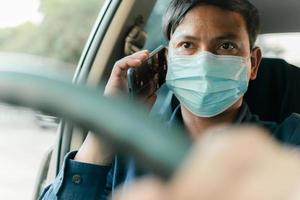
(221, 32)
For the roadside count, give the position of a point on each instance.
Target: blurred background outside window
(281, 45)
(48, 36)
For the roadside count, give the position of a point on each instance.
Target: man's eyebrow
(226, 36)
(223, 36)
(187, 37)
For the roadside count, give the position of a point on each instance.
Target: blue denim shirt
(79, 181)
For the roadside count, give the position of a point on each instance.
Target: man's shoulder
(288, 131)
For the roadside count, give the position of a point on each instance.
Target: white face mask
(207, 84)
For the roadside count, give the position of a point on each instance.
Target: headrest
(275, 93)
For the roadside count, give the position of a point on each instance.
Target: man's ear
(256, 57)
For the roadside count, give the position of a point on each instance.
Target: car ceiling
(278, 15)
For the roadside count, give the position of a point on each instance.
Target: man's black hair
(178, 9)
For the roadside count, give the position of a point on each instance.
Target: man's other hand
(228, 164)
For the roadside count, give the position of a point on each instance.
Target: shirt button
(76, 179)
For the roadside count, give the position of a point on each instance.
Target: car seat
(275, 94)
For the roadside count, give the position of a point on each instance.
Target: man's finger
(132, 61)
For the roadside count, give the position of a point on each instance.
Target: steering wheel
(121, 122)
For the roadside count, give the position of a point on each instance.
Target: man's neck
(197, 125)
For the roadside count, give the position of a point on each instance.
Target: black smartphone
(145, 80)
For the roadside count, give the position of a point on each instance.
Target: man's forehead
(196, 36)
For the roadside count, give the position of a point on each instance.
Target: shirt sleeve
(78, 181)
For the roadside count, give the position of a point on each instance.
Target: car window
(47, 36)
(281, 45)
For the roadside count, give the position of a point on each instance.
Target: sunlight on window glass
(16, 12)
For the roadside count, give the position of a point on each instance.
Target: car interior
(126, 26)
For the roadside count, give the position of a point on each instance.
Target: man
(211, 58)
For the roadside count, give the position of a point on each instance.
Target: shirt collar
(244, 115)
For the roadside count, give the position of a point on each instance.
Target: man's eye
(227, 46)
(187, 45)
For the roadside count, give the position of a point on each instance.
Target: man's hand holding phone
(118, 79)
(139, 75)
(144, 81)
